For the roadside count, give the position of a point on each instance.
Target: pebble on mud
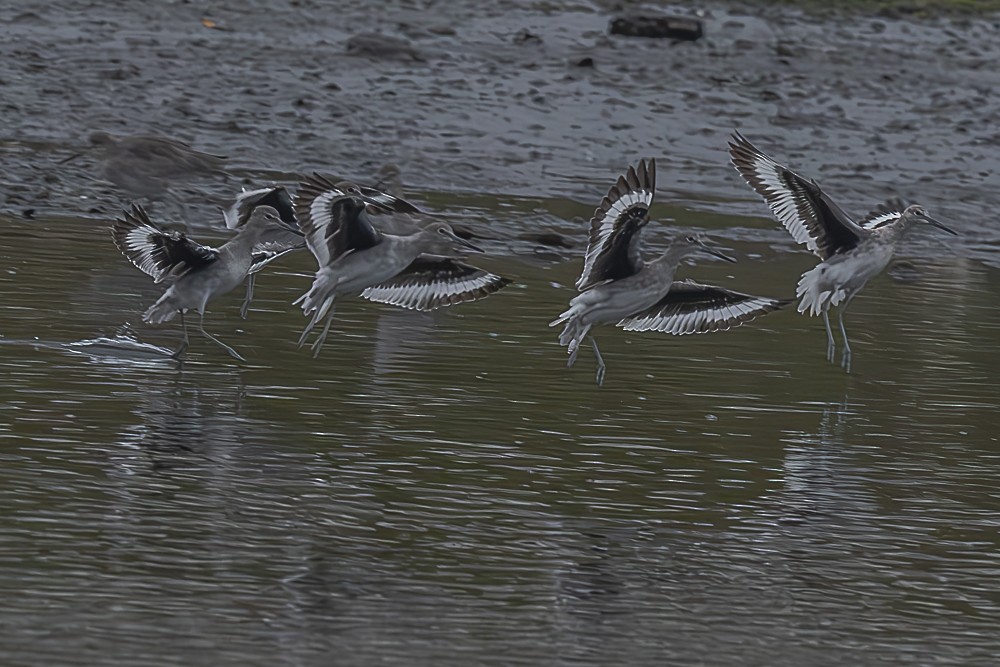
(378, 45)
(670, 27)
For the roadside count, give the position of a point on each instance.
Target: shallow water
(440, 489)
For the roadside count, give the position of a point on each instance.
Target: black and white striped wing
(690, 308)
(383, 202)
(612, 250)
(276, 197)
(332, 222)
(434, 282)
(160, 254)
(799, 204)
(884, 214)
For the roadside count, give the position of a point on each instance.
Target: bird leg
(233, 353)
(249, 297)
(321, 338)
(831, 347)
(600, 362)
(179, 352)
(845, 360)
(574, 348)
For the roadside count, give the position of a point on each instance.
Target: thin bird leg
(317, 315)
(600, 362)
(845, 360)
(232, 353)
(179, 352)
(249, 297)
(831, 347)
(321, 338)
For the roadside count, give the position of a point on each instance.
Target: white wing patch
(138, 249)
(784, 203)
(427, 293)
(881, 220)
(241, 208)
(316, 224)
(635, 190)
(695, 308)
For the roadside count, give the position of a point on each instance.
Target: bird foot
(179, 352)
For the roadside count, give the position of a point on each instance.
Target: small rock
(523, 36)
(669, 27)
(378, 45)
(584, 62)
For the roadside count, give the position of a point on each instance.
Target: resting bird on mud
(618, 287)
(852, 252)
(414, 270)
(196, 273)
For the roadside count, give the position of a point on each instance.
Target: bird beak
(934, 223)
(471, 246)
(717, 253)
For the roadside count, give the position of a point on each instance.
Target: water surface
(440, 489)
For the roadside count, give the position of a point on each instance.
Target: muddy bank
(523, 98)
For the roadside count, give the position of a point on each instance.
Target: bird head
(697, 244)
(447, 239)
(916, 213)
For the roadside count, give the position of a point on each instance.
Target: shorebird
(145, 165)
(852, 252)
(394, 216)
(237, 215)
(413, 270)
(196, 273)
(618, 287)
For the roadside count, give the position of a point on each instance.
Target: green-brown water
(441, 490)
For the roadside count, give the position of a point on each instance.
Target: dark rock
(669, 27)
(523, 36)
(377, 45)
(28, 213)
(585, 62)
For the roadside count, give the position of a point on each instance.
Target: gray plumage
(196, 273)
(852, 252)
(145, 165)
(618, 287)
(416, 269)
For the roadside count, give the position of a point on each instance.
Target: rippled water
(441, 490)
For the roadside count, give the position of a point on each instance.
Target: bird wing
(799, 204)
(884, 214)
(162, 255)
(172, 157)
(690, 308)
(383, 202)
(612, 250)
(432, 282)
(276, 197)
(330, 227)
(264, 255)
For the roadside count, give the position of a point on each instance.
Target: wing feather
(430, 282)
(162, 255)
(799, 204)
(690, 308)
(612, 252)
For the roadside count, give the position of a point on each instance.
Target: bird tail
(573, 332)
(162, 311)
(813, 291)
(320, 295)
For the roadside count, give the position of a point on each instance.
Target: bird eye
(692, 239)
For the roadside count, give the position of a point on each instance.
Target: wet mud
(528, 99)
